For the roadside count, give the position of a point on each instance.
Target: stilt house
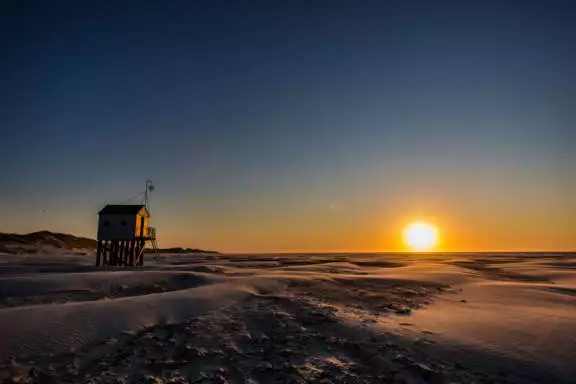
(122, 234)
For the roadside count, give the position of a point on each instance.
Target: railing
(152, 232)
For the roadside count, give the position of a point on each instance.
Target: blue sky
(293, 125)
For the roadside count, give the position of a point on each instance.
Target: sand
(290, 318)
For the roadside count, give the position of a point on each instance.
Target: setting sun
(421, 236)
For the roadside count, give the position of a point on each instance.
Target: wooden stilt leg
(128, 252)
(142, 252)
(131, 252)
(125, 253)
(98, 252)
(114, 255)
(105, 252)
(120, 251)
(136, 253)
(117, 253)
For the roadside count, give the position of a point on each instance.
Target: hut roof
(112, 209)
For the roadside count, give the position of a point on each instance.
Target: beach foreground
(330, 318)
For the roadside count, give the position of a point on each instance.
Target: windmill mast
(147, 193)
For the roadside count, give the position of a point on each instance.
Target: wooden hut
(122, 234)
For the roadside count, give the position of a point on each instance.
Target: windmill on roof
(123, 231)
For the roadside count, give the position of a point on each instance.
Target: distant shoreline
(182, 250)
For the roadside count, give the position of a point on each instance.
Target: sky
(272, 126)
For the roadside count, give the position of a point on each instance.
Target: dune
(44, 242)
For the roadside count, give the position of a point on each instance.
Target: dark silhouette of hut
(122, 234)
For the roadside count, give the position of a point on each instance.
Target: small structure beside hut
(122, 234)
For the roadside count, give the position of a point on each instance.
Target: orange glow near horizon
(281, 225)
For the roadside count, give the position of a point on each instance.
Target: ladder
(154, 242)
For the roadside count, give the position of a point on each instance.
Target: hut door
(142, 226)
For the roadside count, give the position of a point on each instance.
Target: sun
(421, 236)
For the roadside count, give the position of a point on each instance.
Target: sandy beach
(330, 318)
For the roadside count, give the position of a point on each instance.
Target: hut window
(123, 223)
(106, 223)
